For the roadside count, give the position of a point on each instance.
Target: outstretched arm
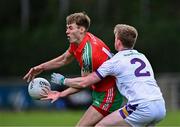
(55, 95)
(52, 64)
(60, 61)
(75, 85)
(82, 82)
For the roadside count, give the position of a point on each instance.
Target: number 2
(138, 72)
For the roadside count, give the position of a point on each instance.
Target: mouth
(68, 37)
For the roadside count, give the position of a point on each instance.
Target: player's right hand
(32, 73)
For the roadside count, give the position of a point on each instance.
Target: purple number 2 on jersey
(138, 72)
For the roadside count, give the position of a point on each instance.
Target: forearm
(75, 82)
(57, 62)
(69, 91)
(53, 64)
(82, 82)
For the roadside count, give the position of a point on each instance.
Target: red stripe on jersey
(108, 99)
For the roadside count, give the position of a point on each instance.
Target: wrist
(62, 81)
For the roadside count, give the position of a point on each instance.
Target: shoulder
(94, 39)
(72, 47)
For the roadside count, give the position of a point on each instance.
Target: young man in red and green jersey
(90, 55)
(88, 51)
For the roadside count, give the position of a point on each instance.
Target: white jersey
(134, 76)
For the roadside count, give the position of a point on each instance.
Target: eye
(70, 27)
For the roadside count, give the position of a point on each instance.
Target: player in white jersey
(134, 79)
(134, 74)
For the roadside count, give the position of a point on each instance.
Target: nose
(67, 31)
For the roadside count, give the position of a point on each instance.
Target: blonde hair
(127, 34)
(81, 19)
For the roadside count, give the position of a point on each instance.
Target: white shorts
(144, 114)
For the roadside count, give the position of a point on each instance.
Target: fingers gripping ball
(36, 87)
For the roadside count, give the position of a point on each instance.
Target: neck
(123, 48)
(126, 48)
(81, 37)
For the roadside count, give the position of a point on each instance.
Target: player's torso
(134, 66)
(135, 77)
(90, 56)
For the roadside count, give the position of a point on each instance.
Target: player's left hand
(50, 95)
(57, 78)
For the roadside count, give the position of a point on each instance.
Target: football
(35, 87)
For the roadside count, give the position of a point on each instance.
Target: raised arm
(49, 65)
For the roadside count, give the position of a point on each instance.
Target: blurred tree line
(33, 31)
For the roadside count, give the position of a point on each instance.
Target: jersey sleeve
(106, 69)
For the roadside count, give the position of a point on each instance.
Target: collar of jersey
(83, 42)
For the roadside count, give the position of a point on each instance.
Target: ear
(82, 29)
(119, 42)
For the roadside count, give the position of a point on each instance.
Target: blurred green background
(33, 31)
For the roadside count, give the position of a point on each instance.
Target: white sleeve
(106, 69)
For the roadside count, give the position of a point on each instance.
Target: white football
(35, 87)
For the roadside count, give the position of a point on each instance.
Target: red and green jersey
(90, 56)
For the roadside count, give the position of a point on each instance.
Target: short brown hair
(127, 34)
(81, 19)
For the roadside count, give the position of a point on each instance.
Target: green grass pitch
(61, 118)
